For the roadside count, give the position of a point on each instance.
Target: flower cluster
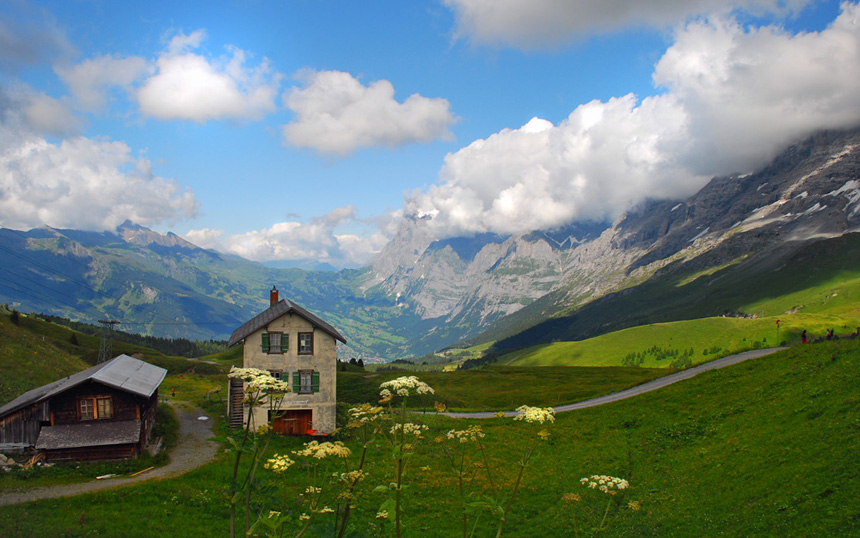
(402, 385)
(409, 428)
(321, 450)
(260, 380)
(278, 463)
(351, 477)
(473, 433)
(363, 414)
(606, 484)
(535, 414)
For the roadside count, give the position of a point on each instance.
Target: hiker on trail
(829, 334)
(803, 337)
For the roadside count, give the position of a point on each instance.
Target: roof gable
(123, 372)
(275, 311)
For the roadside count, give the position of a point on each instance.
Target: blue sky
(305, 130)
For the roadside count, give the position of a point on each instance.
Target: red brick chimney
(273, 296)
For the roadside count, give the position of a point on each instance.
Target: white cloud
(91, 79)
(297, 241)
(83, 184)
(192, 87)
(335, 113)
(548, 23)
(734, 98)
(749, 93)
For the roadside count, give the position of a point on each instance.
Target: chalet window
(306, 343)
(96, 408)
(88, 409)
(306, 381)
(277, 374)
(275, 343)
(104, 408)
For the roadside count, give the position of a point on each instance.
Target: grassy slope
(764, 448)
(30, 360)
(831, 303)
(796, 281)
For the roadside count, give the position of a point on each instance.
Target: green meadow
(763, 448)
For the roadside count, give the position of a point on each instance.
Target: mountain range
(423, 293)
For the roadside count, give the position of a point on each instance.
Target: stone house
(299, 348)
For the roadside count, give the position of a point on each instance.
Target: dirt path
(655, 384)
(192, 451)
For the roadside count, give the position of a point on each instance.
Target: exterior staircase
(236, 408)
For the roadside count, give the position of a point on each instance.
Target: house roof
(84, 434)
(123, 372)
(275, 311)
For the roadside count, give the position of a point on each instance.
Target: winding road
(193, 450)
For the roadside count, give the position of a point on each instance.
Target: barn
(102, 413)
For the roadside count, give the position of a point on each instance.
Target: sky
(294, 130)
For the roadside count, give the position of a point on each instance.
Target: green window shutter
(297, 382)
(265, 342)
(285, 343)
(316, 382)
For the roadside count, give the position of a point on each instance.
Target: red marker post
(777, 332)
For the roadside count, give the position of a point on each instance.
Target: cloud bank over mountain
(730, 98)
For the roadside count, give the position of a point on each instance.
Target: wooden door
(292, 421)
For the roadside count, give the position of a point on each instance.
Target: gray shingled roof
(275, 311)
(84, 434)
(123, 372)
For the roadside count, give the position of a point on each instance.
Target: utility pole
(106, 347)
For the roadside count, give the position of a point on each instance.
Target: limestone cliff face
(810, 191)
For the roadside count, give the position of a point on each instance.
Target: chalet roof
(275, 311)
(92, 433)
(123, 372)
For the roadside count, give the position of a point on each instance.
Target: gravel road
(192, 451)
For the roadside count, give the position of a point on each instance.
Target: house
(299, 348)
(103, 412)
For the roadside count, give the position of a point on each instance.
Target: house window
(88, 410)
(104, 408)
(306, 343)
(96, 408)
(275, 343)
(277, 374)
(306, 381)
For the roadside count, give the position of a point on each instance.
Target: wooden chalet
(103, 412)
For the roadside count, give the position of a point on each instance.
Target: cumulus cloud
(337, 114)
(292, 240)
(189, 86)
(91, 79)
(548, 23)
(734, 97)
(82, 183)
